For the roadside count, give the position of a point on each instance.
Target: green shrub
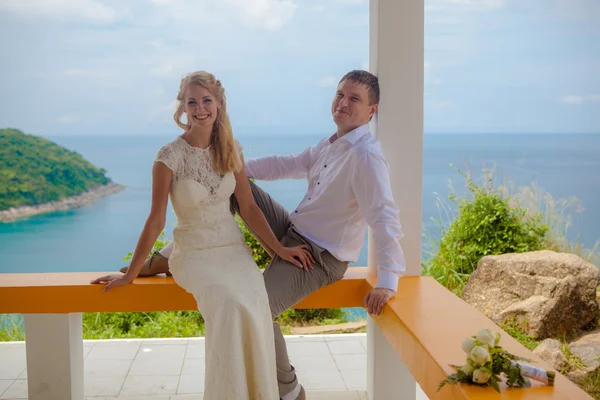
(489, 223)
(313, 316)
(142, 324)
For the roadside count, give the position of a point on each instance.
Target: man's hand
(376, 300)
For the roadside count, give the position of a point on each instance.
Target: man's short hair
(365, 78)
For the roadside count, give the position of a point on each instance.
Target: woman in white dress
(200, 170)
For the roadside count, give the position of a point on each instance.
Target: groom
(348, 189)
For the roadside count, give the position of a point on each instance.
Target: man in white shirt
(348, 190)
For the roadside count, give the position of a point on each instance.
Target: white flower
(487, 336)
(467, 369)
(468, 344)
(479, 355)
(481, 376)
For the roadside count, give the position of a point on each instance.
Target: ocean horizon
(98, 236)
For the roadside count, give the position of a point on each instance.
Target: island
(39, 176)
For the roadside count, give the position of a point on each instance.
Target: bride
(200, 170)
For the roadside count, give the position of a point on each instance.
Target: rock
(587, 348)
(79, 200)
(549, 351)
(345, 327)
(554, 293)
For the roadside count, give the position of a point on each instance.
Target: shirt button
(325, 166)
(296, 211)
(318, 183)
(309, 198)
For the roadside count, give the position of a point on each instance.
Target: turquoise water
(97, 237)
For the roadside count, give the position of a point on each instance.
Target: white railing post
(54, 347)
(396, 48)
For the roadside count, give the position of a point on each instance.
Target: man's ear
(373, 110)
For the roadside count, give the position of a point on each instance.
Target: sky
(112, 67)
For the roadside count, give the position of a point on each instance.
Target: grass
(517, 331)
(13, 330)
(574, 362)
(165, 324)
(591, 385)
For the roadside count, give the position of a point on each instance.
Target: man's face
(351, 106)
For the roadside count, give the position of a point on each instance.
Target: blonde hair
(225, 155)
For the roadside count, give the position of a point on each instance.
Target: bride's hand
(298, 255)
(112, 281)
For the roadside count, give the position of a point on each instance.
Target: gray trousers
(287, 284)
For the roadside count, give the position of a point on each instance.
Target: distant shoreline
(80, 200)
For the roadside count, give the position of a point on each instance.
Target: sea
(98, 236)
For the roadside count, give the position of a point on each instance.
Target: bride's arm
(253, 215)
(155, 223)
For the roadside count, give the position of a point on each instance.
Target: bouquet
(486, 361)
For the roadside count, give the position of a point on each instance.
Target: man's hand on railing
(377, 298)
(112, 281)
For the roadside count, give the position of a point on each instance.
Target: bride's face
(200, 106)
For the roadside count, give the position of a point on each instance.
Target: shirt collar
(353, 135)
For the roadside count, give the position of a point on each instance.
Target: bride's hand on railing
(111, 281)
(298, 255)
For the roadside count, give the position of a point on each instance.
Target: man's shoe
(156, 264)
(301, 395)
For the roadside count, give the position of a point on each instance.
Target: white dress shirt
(348, 188)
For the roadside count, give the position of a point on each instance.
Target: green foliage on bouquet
(487, 362)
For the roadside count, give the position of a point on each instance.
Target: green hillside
(34, 170)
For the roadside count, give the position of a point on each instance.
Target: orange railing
(424, 323)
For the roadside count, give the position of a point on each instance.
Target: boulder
(551, 294)
(587, 348)
(549, 351)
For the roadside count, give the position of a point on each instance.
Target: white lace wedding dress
(211, 261)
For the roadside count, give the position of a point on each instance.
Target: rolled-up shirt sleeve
(271, 168)
(373, 192)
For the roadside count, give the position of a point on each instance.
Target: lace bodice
(191, 163)
(200, 197)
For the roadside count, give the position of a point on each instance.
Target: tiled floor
(330, 367)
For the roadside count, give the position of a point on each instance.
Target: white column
(396, 57)
(54, 347)
(392, 380)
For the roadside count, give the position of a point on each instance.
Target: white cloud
(428, 77)
(351, 1)
(165, 69)
(258, 14)
(573, 100)
(266, 14)
(110, 77)
(318, 8)
(66, 119)
(157, 43)
(77, 10)
(328, 81)
(176, 64)
(575, 10)
(463, 5)
(440, 106)
(594, 98)
(577, 100)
